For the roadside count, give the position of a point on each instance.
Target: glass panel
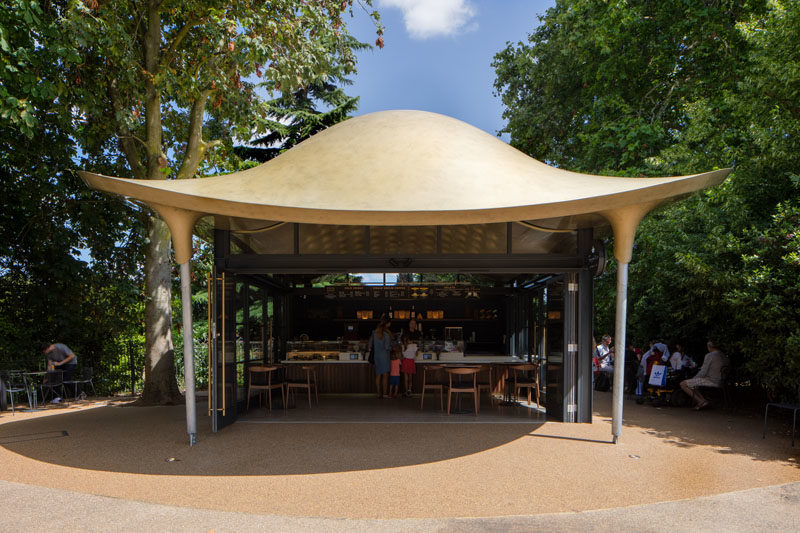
(324, 239)
(417, 240)
(474, 239)
(527, 240)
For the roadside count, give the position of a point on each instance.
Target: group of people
(681, 368)
(394, 354)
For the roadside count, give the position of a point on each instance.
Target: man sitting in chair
(710, 375)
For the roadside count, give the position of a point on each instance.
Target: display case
(454, 339)
(308, 350)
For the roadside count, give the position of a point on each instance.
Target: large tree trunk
(160, 384)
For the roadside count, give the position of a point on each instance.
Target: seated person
(605, 355)
(652, 356)
(675, 360)
(710, 375)
(687, 362)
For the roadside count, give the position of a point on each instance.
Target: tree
(648, 88)
(142, 79)
(603, 86)
(294, 117)
(48, 288)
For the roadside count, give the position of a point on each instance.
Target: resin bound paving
(366, 458)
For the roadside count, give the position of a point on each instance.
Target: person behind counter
(380, 342)
(411, 339)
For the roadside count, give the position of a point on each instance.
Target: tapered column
(624, 222)
(181, 222)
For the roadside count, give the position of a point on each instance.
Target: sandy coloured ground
(392, 470)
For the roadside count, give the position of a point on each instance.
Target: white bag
(658, 376)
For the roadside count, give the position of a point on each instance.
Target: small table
(30, 379)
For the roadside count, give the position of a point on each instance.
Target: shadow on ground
(152, 440)
(729, 433)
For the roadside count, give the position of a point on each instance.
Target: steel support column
(619, 341)
(188, 352)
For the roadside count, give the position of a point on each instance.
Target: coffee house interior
(510, 295)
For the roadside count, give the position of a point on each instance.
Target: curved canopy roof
(406, 168)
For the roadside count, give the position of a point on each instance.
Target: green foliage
(655, 88)
(294, 117)
(113, 87)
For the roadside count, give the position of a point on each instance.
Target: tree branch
(195, 147)
(179, 37)
(126, 143)
(153, 136)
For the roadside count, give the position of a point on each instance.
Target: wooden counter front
(358, 377)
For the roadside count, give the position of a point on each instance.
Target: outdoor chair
(721, 394)
(82, 377)
(459, 373)
(53, 380)
(525, 377)
(794, 407)
(430, 373)
(15, 384)
(261, 380)
(309, 382)
(487, 385)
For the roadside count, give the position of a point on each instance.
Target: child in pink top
(395, 358)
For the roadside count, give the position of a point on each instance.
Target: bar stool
(465, 387)
(434, 370)
(307, 383)
(523, 381)
(260, 379)
(487, 385)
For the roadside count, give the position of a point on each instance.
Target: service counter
(356, 376)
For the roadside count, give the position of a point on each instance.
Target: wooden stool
(465, 387)
(433, 369)
(263, 374)
(307, 383)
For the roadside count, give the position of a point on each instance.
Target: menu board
(401, 292)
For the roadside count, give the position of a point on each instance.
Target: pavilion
(417, 192)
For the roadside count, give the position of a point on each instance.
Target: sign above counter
(402, 292)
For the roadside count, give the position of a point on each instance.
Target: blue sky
(438, 55)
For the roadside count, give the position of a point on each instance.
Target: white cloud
(430, 18)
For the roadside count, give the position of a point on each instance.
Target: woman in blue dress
(381, 343)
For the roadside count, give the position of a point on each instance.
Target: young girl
(394, 371)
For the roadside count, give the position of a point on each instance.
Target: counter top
(467, 359)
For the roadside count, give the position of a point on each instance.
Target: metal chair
(53, 380)
(14, 384)
(260, 379)
(525, 377)
(794, 407)
(307, 383)
(427, 384)
(459, 387)
(82, 377)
